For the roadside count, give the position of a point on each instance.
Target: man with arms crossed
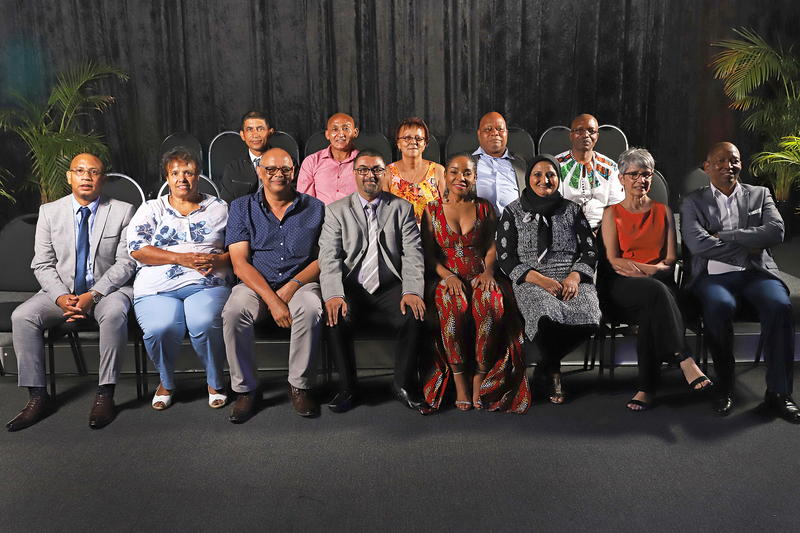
(240, 176)
(328, 174)
(81, 262)
(272, 237)
(371, 270)
(729, 228)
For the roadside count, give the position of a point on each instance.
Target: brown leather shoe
(103, 411)
(302, 402)
(38, 407)
(245, 407)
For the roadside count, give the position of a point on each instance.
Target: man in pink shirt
(328, 174)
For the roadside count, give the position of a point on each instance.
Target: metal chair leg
(52, 357)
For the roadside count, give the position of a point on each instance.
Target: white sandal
(213, 397)
(166, 400)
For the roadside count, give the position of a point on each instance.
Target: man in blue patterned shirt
(272, 237)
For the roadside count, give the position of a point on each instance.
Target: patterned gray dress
(573, 249)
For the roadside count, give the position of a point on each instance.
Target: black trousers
(650, 303)
(378, 311)
(554, 341)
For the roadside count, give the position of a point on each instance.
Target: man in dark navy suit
(240, 176)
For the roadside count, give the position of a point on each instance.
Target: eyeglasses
(286, 171)
(409, 139)
(365, 171)
(81, 172)
(645, 175)
(583, 131)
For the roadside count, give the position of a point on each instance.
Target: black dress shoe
(103, 411)
(245, 407)
(410, 399)
(343, 401)
(38, 407)
(784, 405)
(723, 404)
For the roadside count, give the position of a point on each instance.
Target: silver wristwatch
(96, 296)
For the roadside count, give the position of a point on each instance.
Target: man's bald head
(341, 132)
(276, 172)
(723, 165)
(86, 177)
(583, 134)
(493, 134)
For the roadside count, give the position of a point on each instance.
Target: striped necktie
(256, 161)
(369, 268)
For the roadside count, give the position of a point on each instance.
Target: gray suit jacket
(54, 249)
(760, 226)
(345, 237)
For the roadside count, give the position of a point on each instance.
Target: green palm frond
(746, 64)
(51, 132)
(4, 175)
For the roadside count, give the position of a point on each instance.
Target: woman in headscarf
(546, 248)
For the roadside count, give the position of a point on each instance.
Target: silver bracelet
(450, 276)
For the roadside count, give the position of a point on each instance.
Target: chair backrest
(659, 190)
(225, 147)
(555, 140)
(463, 140)
(695, 179)
(520, 142)
(182, 139)
(375, 140)
(281, 139)
(315, 143)
(124, 188)
(611, 142)
(206, 186)
(432, 150)
(17, 240)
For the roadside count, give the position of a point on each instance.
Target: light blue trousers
(164, 319)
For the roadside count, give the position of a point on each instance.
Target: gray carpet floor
(589, 465)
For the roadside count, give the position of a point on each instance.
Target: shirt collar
(263, 203)
(376, 202)
(254, 157)
(481, 151)
(326, 154)
(737, 191)
(92, 206)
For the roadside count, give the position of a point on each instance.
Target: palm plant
(53, 131)
(3, 175)
(766, 81)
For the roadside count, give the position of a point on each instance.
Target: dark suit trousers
(650, 303)
(770, 297)
(376, 311)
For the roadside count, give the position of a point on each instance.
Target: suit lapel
(713, 208)
(248, 163)
(358, 214)
(100, 218)
(383, 212)
(744, 209)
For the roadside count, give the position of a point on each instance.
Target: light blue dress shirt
(496, 180)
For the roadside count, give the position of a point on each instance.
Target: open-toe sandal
(698, 381)
(161, 402)
(216, 400)
(644, 406)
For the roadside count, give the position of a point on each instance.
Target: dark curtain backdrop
(197, 65)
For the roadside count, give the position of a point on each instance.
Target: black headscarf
(542, 205)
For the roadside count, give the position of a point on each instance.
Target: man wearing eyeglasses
(81, 262)
(501, 174)
(328, 174)
(371, 272)
(239, 177)
(272, 237)
(729, 228)
(588, 178)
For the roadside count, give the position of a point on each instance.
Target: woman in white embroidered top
(183, 276)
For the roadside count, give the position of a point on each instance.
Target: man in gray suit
(81, 262)
(729, 228)
(371, 272)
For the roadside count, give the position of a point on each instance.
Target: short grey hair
(637, 158)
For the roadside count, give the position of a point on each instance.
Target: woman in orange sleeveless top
(413, 178)
(640, 242)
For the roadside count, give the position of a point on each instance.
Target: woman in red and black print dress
(479, 343)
